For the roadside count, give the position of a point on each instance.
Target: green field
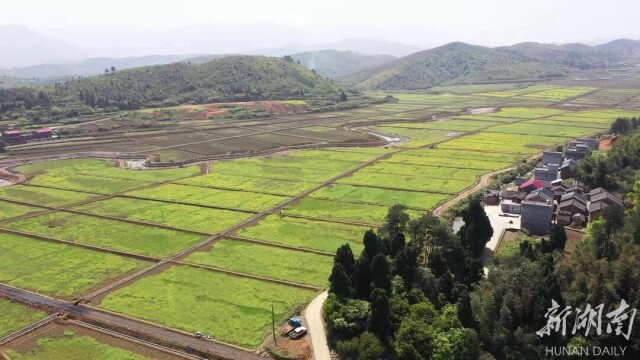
(117, 235)
(57, 269)
(177, 215)
(43, 196)
(9, 210)
(351, 193)
(338, 210)
(232, 309)
(316, 235)
(214, 197)
(263, 171)
(505, 143)
(444, 185)
(15, 316)
(434, 160)
(98, 176)
(72, 346)
(432, 172)
(248, 183)
(267, 261)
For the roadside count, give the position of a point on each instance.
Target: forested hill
(460, 63)
(232, 78)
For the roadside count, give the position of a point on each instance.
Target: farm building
(546, 173)
(510, 207)
(551, 157)
(492, 197)
(531, 185)
(12, 137)
(39, 134)
(536, 216)
(567, 168)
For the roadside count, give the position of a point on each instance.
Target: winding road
(313, 314)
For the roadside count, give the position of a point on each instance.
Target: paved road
(216, 349)
(316, 327)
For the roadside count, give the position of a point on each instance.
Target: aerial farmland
(226, 226)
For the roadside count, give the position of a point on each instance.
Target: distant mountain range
(360, 45)
(333, 63)
(89, 67)
(26, 47)
(460, 63)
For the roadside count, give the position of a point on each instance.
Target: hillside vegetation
(334, 63)
(233, 78)
(460, 63)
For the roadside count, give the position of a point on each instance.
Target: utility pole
(49, 217)
(273, 325)
(162, 214)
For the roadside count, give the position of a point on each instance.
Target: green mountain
(335, 63)
(232, 78)
(460, 63)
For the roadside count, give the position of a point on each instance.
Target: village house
(568, 168)
(536, 216)
(572, 206)
(542, 195)
(552, 157)
(508, 194)
(576, 152)
(510, 207)
(593, 144)
(600, 200)
(531, 185)
(491, 197)
(546, 173)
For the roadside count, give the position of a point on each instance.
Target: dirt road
(482, 182)
(313, 314)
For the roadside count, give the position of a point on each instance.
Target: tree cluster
(407, 295)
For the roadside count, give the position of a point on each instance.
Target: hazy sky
(199, 26)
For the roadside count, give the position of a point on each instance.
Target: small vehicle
(292, 324)
(201, 335)
(298, 333)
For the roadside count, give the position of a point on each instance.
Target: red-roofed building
(46, 133)
(12, 137)
(531, 185)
